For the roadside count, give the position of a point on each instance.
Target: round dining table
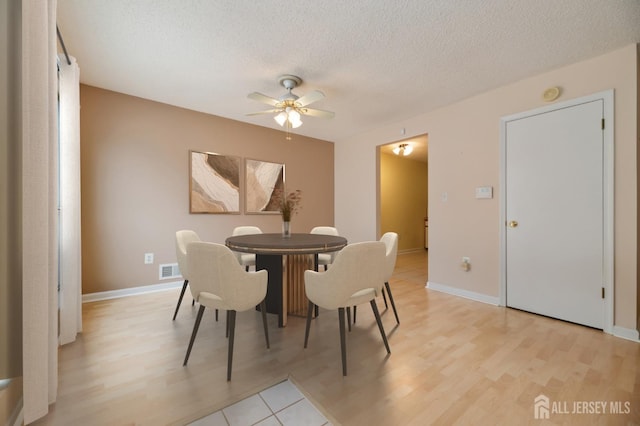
(286, 259)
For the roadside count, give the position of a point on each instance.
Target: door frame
(607, 97)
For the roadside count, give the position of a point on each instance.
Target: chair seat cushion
(210, 300)
(247, 259)
(324, 259)
(362, 296)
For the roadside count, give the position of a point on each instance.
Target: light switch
(484, 192)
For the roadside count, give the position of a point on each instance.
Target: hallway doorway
(402, 185)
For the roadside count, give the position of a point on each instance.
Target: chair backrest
(325, 230)
(356, 267)
(246, 230)
(390, 240)
(214, 270)
(183, 238)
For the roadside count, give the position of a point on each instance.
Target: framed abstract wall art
(214, 183)
(263, 181)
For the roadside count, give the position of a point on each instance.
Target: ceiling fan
(289, 107)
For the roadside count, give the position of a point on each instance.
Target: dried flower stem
(289, 204)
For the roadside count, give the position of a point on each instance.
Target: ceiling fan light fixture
(294, 116)
(289, 108)
(281, 118)
(295, 123)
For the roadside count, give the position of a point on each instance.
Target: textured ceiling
(376, 61)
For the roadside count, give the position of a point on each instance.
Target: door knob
(513, 224)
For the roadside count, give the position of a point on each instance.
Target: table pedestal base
(285, 288)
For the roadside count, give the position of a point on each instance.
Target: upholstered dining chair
(217, 280)
(356, 276)
(390, 240)
(246, 259)
(325, 259)
(183, 238)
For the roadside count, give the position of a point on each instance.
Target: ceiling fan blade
(268, 111)
(263, 98)
(309, 98)
(317, 113)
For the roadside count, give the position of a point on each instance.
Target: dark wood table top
(277, 244)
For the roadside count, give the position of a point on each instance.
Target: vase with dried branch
(289, 204)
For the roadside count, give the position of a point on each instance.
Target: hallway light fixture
(403, 149)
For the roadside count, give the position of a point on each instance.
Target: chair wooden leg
(306, 331)
(355, 309)
(343, 341)
(232, 331)
(193, 302)
(184, 287)
(379, 321)
(263, 310)
(227, 334)
(384, 297)
(216, 315)
(193, 334)
(393, 305)
(315, 268)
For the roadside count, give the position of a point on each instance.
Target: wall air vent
(169, 270)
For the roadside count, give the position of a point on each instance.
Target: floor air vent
(169, 270)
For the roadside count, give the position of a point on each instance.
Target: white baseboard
(626, 333)
(133, 291)
(478, 297)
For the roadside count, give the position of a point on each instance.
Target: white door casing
(557, 180)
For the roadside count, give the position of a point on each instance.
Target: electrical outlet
(148, 258)
(466, 264)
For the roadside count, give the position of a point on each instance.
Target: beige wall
(135, 182)
(464, 141)
(403, 200)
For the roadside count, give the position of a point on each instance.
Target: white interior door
(554, 183)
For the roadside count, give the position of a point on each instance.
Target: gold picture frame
(214, 183)
(264, 180)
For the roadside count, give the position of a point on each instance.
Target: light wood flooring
(453, 361)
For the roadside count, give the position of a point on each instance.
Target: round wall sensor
(551, 94)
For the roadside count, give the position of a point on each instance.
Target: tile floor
(282, 404)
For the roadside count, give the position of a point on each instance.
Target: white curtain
(39, 205)
(70, 243)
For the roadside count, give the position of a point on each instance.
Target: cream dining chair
(390, 240)
(216, 280)
(246, 259)
(183, 238)
(325, 259)
(356, 276)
